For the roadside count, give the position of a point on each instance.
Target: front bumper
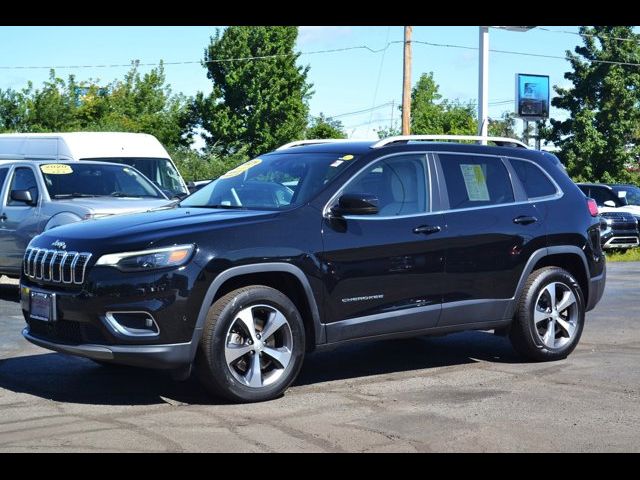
(80, 321)
(146, 356)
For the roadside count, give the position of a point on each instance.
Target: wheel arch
(568, 257)
(284, 277)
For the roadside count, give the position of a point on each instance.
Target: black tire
(211, 365)
(525, 336)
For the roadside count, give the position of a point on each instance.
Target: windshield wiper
(74, 195)
(124, 194)
(228, 207)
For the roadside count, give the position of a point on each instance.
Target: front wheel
(252, 345)
(550, 316)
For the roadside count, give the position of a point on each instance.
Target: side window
(536, 184)
(601, 195)
(3, 176)
(476, 181)
(23, 179)
(400, 183)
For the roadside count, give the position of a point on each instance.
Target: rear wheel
(252, 345)
(550, 315)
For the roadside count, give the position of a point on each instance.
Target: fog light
(132, 324)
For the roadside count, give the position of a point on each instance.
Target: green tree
(430, 115)
(259, 103)
(505, 126)
(12, 111)
(324, 127)
(138, 103)
(598, 141)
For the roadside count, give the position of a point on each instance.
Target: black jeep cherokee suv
(316, 245)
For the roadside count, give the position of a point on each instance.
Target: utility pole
(406, 83)
(483, 84)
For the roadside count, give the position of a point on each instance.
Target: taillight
(593, 207)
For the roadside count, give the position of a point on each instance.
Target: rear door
(491, 230)
(21, 220)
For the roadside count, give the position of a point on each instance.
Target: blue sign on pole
(532, 96)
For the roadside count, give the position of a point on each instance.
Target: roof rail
(298, 143)
(501, 141)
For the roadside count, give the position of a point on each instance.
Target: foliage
(260, 104)
(599, 139)
(138, 103)
(432, 115)
(207, 165)
(631, 255)
(505, 126)
(325, 127)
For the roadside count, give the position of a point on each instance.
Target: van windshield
(76, 180)
(159, 170)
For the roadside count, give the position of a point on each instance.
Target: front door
(385, 271)
(19, 219)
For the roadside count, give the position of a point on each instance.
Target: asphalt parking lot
(462, 392)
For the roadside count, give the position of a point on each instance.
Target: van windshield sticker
(56, 169)
(242, 168)
(475, 182)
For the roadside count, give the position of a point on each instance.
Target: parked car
(139, 150)
(36, 196)
(620, 229)
(367, 240)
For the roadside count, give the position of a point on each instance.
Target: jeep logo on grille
(59, 244)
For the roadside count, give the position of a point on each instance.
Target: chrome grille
(55, 266)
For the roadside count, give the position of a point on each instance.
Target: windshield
(159, 170)
(272, 182)
(633, 194)
(65, 180)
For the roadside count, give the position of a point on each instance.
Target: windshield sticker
(242, 168)
(347, 157)
(337, 163)
(475, 182)
(56, 169)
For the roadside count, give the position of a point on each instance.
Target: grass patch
(631, 255)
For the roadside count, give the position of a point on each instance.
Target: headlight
(148, 259)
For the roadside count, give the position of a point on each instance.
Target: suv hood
(633, 209)
(140, 230)
(103, 206)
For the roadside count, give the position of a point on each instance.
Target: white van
(139, 150)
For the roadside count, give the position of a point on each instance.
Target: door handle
(525, 220)
(3, 217)
(427, 229)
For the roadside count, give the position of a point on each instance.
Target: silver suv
(39, 195)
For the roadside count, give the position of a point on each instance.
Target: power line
(587, 35)
(200, 62)
(375, 92)
(366, 110)
(525, 54)
(316, 52)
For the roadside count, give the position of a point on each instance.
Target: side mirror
(610, 203)
(356, 204)
(22, 196)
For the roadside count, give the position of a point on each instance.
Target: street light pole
(483, 83)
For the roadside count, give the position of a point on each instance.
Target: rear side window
(476, 181)
(536, 184)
